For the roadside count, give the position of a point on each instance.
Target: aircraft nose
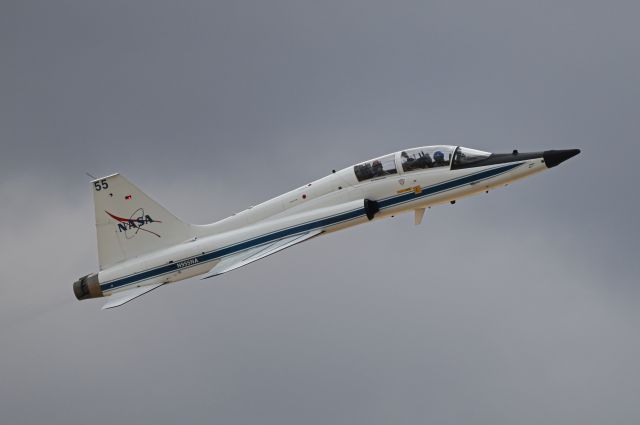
(553, 158)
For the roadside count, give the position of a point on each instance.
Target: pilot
(438, 157)
(376, 168)
(407, 162)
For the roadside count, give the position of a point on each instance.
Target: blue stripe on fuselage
(305, 227)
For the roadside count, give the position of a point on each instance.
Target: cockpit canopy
(418, 159)
(378, 167)
(426, 157)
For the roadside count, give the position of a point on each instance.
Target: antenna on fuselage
(92, 177)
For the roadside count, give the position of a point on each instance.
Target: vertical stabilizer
(129, 223)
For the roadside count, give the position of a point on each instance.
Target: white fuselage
(331, 203)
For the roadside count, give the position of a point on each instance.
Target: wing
(254, 254)
(131, 294)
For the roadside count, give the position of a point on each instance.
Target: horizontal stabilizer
(131, 294)
(249, 256)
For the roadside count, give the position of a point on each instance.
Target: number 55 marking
(99, 185)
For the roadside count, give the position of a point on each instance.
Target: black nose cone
(553, 158)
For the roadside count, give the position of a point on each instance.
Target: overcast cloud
(517, 307)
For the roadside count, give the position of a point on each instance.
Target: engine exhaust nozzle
(87, 287)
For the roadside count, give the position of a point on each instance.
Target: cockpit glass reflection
(426, 157)
(378, 167)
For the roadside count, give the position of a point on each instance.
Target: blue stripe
(305, 227)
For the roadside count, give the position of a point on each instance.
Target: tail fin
(129, 223)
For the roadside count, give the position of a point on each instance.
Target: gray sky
(517, 307)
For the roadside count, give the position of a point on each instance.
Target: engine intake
(87, 287)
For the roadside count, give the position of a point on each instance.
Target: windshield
(426, 157)
(466, 156)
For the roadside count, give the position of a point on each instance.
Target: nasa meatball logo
(136, 223)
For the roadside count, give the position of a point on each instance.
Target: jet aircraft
(142, 246)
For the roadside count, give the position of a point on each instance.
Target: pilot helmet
(438, 156)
